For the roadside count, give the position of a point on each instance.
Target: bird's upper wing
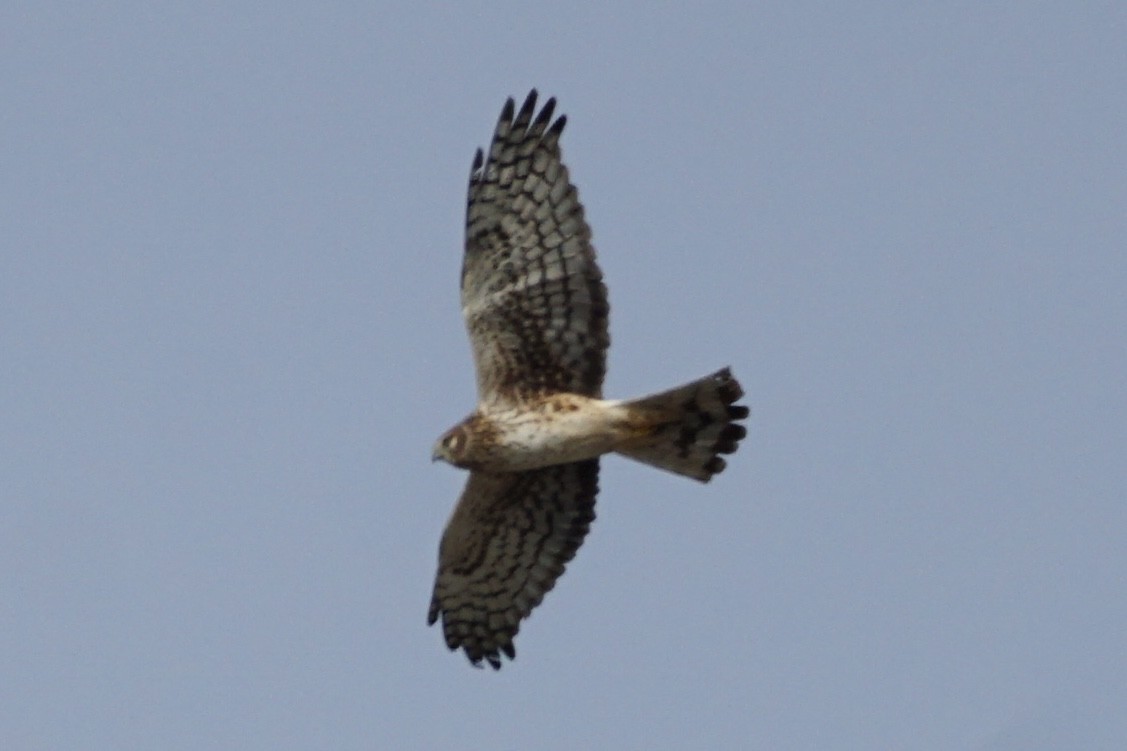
(532, 294)
(503, 549)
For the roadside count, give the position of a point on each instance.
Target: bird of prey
(536, 310)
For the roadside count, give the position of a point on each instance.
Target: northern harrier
(536, 310)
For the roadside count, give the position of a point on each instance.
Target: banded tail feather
(694, 425)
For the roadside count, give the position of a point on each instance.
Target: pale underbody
(555, 429)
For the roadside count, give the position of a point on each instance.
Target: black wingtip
(557, 126)
(524, 117)
(507, 111)
(545, 114)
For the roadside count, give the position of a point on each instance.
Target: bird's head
(453, 446)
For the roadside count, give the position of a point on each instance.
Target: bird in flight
(536, 310)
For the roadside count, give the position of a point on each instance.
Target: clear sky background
(230, 236)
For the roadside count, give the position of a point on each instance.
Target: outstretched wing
(503, 549)
(532, 295)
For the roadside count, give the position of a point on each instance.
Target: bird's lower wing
(504, 547)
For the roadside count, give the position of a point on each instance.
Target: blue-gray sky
(229, 333)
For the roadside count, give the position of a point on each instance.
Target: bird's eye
(451, 441)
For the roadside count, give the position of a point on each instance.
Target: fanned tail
(692, 426)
